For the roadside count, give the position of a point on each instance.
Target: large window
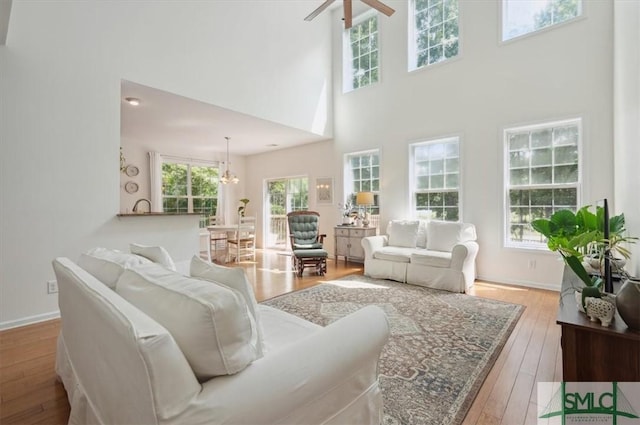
(520, 17)
(542, 176)
(435, 179)
(362, 174)
(189, 187)
(360, 46)
(433, 32)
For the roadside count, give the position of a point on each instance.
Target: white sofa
(435, 254)
(121, 366)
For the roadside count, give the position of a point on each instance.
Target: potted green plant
(580, 234)
(243, 208)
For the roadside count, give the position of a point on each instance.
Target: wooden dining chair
(218, 242)
(242, 243)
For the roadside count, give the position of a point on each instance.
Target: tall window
(360, 47)
(520, 17)
(435, 177)
(189, 187)
(362, 174)
(542, 176)
(433, 32)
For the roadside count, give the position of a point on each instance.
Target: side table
(348, 241)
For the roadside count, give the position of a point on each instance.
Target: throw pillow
(403, 233)
(157, 254)
(234, 278)
(421, 241)
(444, 235)
(107, 265)
(209, 322)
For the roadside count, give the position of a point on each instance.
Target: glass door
(283, 196)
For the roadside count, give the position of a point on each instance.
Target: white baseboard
(524, 283)
(29, 320)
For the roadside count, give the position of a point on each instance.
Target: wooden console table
(591, 352)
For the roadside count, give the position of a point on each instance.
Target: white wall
(312, 161)
(627, 120)
(61, 71)
(561, 73)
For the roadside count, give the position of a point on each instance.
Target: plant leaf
(578, 269)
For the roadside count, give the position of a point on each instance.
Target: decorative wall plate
(131, 187)
(131, 170)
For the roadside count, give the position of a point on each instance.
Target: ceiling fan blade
(347, 14)
(379, 6)
(316, 12)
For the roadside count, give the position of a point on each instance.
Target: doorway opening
(281, 197)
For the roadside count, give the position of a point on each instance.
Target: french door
(281, 197)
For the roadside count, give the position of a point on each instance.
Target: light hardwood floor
(30, 394)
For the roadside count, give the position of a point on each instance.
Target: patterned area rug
(442, 345)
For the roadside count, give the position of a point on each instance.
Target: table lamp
(365, 199)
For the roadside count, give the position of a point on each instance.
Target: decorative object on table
(242, 209)
(628, 302)
(228, 176)
(575, 235)
(131, 170)
(346, 210)
(430, 372)
(600, 309)
(324, 190)
(365, 199)
(131, 187)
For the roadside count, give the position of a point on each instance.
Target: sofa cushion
(210, 323)
(394, 253)
(432, 258)
(403, 233)
(444, 235)
(107, 265)
(157, 254)
(234, 278)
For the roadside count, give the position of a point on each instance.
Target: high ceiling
(165, 119)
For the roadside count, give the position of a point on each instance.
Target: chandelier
(227, 176)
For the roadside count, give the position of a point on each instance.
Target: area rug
(442, 344)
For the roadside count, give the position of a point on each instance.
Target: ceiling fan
(379, 6)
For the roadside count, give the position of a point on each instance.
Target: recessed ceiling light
(132, 101)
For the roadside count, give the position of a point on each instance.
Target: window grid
(435, 31)
(363, 170)
(189, 188)
(542, 177)
(363, 47)
(436, 179)
(298, 194)
(522, 17)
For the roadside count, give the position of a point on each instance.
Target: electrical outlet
(52, 287)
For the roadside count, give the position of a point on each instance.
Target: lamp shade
(364, 198)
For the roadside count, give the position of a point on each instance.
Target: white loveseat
(120, 365)
(435, 254)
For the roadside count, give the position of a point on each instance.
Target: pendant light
(227, 176)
